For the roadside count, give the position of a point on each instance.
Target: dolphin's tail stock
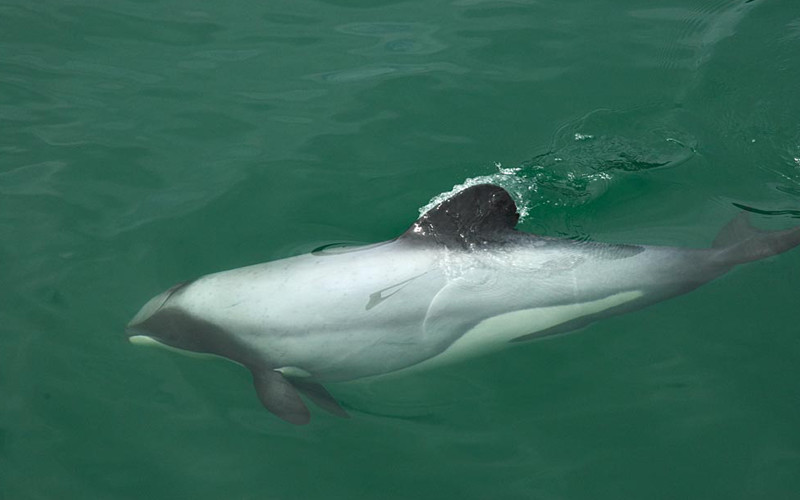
(739, 241)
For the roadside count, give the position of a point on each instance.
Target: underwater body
(459, 282)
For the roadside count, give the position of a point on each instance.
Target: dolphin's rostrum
(460, 281)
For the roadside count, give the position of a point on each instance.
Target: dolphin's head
(163, 321)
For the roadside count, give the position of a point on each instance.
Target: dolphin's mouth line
(131, 332)
(139, 339)
(146, 340)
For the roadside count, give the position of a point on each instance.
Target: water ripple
(587, 156)
(403, 38)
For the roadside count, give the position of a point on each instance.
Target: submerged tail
(739, 242)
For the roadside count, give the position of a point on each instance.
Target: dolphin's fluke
(280, 397)
(740, 242)
(320, 396)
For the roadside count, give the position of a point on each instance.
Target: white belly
(495, 332)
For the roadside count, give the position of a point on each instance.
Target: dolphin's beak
(134, 327)
(161, 323)
(137, 330)
(134, 330)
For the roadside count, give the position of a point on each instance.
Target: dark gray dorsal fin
(279, 396)
(320, 396)
(477, 215)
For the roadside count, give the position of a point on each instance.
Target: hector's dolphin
(460, 281)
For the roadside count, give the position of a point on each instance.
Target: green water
(147, 142)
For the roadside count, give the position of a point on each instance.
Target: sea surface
(147, 142)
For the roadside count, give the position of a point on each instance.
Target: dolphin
(459, 282)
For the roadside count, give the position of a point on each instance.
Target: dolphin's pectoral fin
(320, 396)
(280, 397)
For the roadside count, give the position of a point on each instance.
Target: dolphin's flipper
(280, 397)
(739, 242)
(320, 396)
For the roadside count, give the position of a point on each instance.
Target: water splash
(586, 157)
(511, 179)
